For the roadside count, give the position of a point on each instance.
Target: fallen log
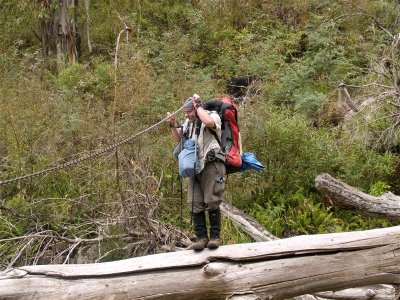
(375, 292)
(247, 223)
(347, 197)
(271, 270)
(258, 232)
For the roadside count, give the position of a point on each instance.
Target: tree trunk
(271, 270)
(346, 197)
(89, 42)
(59, 31)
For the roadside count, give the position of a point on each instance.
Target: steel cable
(88, 156)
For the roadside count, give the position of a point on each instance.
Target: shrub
(294, 153)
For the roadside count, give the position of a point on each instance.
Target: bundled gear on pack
(250, 162)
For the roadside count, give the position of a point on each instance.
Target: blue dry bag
(189, 159)
(250, 162)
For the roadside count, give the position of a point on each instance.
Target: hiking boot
(200, 229)
(199, 245)
(215, 228)
(213, 244)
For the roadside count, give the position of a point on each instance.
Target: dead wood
(375, 292)
(271, 270)
(346, 197)
(247, 223)
(258, 232)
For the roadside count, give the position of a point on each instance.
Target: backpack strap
(215, 136)
(194, 128)
(198, 126)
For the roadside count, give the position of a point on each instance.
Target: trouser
(208, 187)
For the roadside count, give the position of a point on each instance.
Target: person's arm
(201, 113)
(175, 129)
(205, 118)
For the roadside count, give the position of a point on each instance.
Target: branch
(247, 223)
(56, 236)
(366, 14)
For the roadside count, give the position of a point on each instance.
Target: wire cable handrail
(89, 156)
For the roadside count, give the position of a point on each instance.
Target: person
(205, 189)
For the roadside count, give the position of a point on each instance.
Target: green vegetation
(303, 50)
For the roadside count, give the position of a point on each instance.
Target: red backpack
(229, 142)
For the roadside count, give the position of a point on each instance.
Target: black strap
(195, 126)
(198, 126)
(215, 136)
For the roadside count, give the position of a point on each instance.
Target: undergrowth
(51, 114)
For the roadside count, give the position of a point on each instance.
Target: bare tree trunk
(347, 197)
(89, 42)
(271, 270)
(59, 31)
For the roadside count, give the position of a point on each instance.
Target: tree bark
(257, 232)
(271, 270)
(346, 197)
(89, 42)
(59, 30)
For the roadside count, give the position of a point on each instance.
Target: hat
(188, 103)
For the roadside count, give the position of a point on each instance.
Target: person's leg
(197, 208)
(215, 228)
(213, 185)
